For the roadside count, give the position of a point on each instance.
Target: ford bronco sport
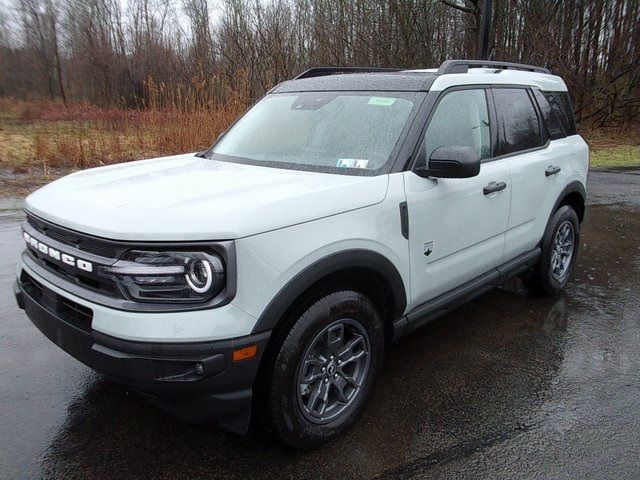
(345, 209)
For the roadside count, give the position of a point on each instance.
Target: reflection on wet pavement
(505, 387)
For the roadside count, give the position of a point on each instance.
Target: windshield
(339, 132)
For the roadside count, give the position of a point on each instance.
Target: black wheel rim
(562, 250)
(333, 370)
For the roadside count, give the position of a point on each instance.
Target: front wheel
(559, 251)
(324, 370)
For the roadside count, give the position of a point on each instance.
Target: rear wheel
(324, 370)
(559, 251)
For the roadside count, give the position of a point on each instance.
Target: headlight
(168, 276)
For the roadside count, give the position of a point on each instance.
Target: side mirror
(451, 162)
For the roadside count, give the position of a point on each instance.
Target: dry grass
(38, 136)
(600, 138)
(616, 156)
(611, 148)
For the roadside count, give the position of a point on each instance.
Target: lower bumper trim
(197, 382)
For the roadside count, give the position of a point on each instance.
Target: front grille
(83, 242)
(80, 246)
(91, 282)
(71, 312)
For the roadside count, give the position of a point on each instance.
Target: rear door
(524, 144)
(456, 230)
(563, 159)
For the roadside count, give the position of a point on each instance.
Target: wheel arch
(365, 271)
(573, 195)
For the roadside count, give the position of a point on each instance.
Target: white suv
(345, 209)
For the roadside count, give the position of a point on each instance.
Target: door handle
(494, 187)
(551, 170)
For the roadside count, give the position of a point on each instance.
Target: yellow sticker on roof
(382, 101)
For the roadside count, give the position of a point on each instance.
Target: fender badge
(428, 248)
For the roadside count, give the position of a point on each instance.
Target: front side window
(461, 119)
(518, 120)
(336, 132)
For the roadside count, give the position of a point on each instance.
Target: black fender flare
(356, 258)
(573, 187)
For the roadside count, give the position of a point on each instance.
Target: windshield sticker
(382, 101)
(352, 163)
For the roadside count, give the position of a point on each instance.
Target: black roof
(402, 81)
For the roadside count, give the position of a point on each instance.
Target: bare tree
(39, 20)
(112, 54)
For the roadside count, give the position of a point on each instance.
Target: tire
(549, 277)
(296, 375)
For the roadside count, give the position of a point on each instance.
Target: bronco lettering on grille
(57, 254)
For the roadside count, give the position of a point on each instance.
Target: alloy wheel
(562, 250)
(333, 370)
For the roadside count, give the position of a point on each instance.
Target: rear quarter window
(561, 110)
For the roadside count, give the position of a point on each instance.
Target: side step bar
(443, 304)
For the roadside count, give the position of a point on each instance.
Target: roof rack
(323, 71)
(462, 66)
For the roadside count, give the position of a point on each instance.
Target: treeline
(145, 52)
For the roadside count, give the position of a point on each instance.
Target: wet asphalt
(508, 386)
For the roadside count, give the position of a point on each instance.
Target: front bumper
(196, 381)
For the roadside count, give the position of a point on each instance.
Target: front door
(457, 226)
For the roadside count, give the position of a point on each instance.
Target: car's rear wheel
(324, 369)
(559, 251)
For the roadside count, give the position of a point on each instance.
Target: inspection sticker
(352, 163)
(382, 101)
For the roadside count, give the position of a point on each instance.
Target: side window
(561, 112)
(517, 119)
(461, 119)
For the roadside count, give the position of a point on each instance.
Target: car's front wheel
(324, 369)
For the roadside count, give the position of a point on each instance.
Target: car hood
(185, 197)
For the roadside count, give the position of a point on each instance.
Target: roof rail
(462, 66)
(323, 71)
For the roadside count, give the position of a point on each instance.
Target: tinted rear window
(518, 121)
(561, 114)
